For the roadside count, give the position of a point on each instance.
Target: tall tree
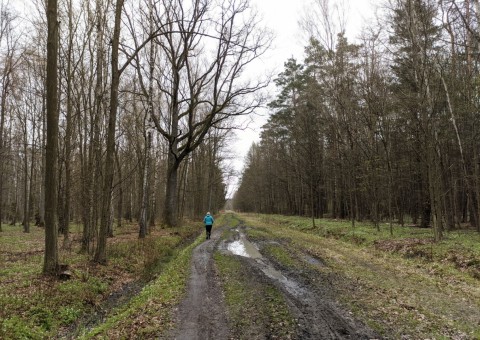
(50, 265)
(9, 62)
(415, 37)
(100, 253)
(200, 79)
(69, 115)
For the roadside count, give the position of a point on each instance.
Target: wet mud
(202, 315)
(310, 297)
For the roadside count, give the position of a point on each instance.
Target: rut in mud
(201, 315)
(310, 298)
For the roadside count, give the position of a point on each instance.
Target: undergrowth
(34, 306)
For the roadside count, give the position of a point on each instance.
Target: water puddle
(291, 286)
(238, 248)
(313, 261)
(243, 247)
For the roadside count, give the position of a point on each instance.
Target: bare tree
(69, 116)
(100, 253)
(10, 61)
(324, 20)
(50, 265)
(204, 47)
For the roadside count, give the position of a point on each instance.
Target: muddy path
(201, 315)
(309, 297)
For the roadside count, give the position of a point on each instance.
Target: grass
(37, 307)
(401, 286)
(229, 219)
(149, 314)
(459, 248)
(253, 307)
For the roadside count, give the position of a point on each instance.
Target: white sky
(282, 16)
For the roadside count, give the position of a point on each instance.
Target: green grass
(37, 307)
(149, 314)
(398, 285)
(228, 219)
(281, 255)
(461, 248)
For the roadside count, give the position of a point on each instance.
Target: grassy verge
(149, 314)
(403, 286)
(460, 248)
(36, 307)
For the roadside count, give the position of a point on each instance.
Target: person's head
(208, 213)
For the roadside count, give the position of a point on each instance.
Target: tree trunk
(3, 111)
(170, 208)
(30, 212)
(144, 209)
(2, 122)
(68, 131)
(120, 190)
(101, 253)
(50, 265)
(91, 170)
(41, 203)
(26, 222)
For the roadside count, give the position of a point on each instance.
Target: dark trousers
(209, 231)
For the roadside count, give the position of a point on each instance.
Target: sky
(282, 17)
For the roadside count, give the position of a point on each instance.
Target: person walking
(208, 221)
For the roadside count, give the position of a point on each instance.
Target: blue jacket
(208, 220)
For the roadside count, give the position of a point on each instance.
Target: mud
(310, 298)
(202, 315)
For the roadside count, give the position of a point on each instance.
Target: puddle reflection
(238, 248)
(243, 247)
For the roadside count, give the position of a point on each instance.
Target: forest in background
(117, 111)
(116, 115)
(140, 99)
(384, 130)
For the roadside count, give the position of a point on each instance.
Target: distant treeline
(386, 130)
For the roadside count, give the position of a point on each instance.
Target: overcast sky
(282, 16)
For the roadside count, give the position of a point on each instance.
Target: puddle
(245, 248)
(313, 261)
(238, 248)
(291, 286)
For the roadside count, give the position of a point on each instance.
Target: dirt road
(310, 298)
(201, 315)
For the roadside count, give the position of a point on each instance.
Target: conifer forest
(385, 129)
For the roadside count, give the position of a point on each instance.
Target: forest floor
(258, 277)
